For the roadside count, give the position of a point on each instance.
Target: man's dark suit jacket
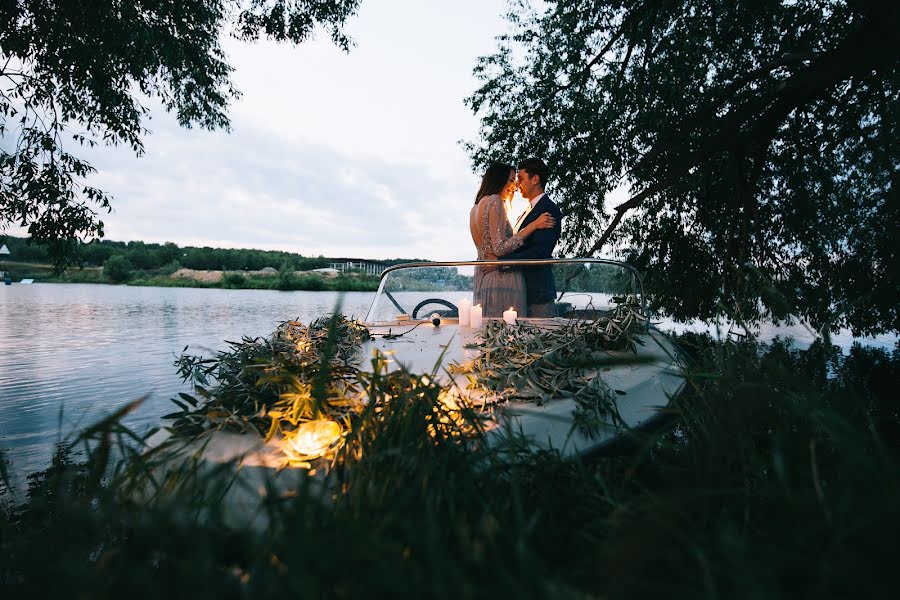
(540, 286)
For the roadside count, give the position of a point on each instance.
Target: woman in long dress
(497, 290)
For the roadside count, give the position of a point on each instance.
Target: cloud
(211, 189)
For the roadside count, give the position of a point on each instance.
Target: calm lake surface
(72, 353)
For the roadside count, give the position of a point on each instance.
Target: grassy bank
(241, 282)
(779, 477)
(44, 273)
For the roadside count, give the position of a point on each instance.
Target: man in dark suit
(540, 287)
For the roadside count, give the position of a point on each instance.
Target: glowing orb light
(314, 438)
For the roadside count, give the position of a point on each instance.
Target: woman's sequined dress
(495, 290)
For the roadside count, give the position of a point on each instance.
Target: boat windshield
(585, 288)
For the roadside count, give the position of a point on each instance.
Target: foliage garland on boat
(530, 363)
(273, 385)
(304, 384)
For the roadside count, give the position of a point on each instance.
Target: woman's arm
(497, 224)
(542, 242)
(544, 221)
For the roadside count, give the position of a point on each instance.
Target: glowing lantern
(314, 438)
(448, 400)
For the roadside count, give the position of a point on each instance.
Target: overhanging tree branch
(869, 48)
(68, 63)
(629, 23)
(683, 130)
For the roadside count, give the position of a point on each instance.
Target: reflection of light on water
(49, 383)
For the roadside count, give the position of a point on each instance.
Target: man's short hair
(535, 166)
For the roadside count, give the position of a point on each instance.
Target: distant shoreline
(271, 279)
(171, 265)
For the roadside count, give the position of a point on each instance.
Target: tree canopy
(75, 73)
(757, 139)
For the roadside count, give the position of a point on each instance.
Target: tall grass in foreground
(779, 477)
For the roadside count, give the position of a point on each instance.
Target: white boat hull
(644, 387)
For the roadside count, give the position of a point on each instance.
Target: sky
(334, 154)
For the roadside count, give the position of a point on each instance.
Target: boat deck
(644, 383)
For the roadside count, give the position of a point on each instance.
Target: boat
(579, 383)
(422, 320)
(415, 318)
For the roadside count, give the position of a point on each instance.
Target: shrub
(310, 283)
(118, 269)
(170, 267)
(234, 281)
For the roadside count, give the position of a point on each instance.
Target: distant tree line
(170, 257)
(596, 278)
(430, 279)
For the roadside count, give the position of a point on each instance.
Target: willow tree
(757, 141)
(74, 72)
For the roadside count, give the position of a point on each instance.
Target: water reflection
(72, 354)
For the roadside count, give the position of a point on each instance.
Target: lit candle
(475, 317)
(510, 316)
(464, 307)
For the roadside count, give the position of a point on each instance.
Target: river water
(72, 353)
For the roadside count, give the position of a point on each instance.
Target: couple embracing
(531, 291)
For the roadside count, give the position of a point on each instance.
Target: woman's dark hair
(495, 179)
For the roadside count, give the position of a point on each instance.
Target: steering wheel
(452, 312)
